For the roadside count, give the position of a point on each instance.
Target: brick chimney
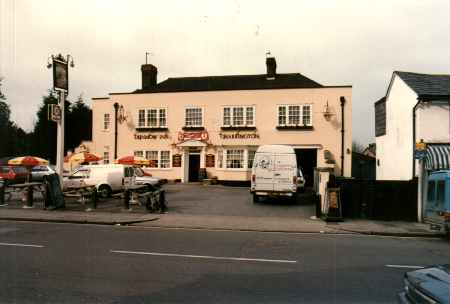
(149, 76)
(271, 65)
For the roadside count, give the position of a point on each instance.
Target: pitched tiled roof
(233, 82)
(426, 84)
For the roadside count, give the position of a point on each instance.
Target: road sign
(54, 112)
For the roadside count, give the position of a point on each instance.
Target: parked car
(428, 285)
(107, 178)
(274, 172)
(39, 173)
(14, 174)
(300, 181)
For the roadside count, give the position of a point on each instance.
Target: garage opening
(307, 161)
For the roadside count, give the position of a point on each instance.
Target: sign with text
(176, 160)
(239, 135)
(200, 136)
(54, 112)
(150, 136)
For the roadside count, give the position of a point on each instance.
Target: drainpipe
(116, 108)
(342, 134)
(414, 137)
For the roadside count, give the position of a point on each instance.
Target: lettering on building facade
(151, 136)
(239, 135)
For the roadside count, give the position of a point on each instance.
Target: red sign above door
(200, 136)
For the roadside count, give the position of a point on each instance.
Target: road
(64, 263)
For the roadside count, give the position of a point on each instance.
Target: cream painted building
(194, 126)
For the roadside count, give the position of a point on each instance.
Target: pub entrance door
(194, 167)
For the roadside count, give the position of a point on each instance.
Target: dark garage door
(307, 160)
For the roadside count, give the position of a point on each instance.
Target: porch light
(327, 112)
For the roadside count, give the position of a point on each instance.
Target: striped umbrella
(133, 160)
(28, 161)
(82, 157)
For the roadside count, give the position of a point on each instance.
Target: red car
(14, 174)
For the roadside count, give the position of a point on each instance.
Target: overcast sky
(332, 42)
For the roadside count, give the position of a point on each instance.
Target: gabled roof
(426, 84)
(233, 82)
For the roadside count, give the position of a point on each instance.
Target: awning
(437, 157)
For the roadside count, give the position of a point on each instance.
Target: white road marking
(405, 266)
(202, 256)
(21, 245)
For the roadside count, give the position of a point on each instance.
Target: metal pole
(420, 182)
(60, 140)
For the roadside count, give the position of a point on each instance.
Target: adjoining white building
(415, 108)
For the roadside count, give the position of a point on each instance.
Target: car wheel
(104, 191)
(255, 198)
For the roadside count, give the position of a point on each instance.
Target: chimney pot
(149, 76)
(271, 65)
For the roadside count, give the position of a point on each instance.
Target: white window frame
(146, 122)
(244, 123)
(221, 163)
(105, 157)
(106, 122)
(202, 111)
(143, 153)
(301, 109)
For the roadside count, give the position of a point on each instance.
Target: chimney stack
(149, 76)
(271, 65)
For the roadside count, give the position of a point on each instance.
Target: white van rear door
(263, 172)
(283, 172)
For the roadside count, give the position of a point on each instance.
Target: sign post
(60, 66)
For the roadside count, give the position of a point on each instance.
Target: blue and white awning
(437, 157)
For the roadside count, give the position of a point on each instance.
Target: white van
(107, 178)
(274, 172)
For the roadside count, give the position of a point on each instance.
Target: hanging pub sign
(54, 112)
(210, 161)
(60, 74)
(176, 160)
(420, 150)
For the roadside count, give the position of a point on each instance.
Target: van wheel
(255, 198)
(104, 191)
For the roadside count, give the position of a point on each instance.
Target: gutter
(419, 101)
(342, 98)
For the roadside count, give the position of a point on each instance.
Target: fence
(379, 200)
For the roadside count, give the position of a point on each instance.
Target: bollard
(2, 192)
(28, 197)
(162, 201)
(126, 199)
(94, 198)
(46, 195)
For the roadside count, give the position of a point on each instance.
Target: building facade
(415, 108)
(197, 127)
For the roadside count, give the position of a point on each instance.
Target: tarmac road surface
(65, 263)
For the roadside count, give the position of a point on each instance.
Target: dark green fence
(379, 200)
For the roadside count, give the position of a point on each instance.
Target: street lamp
(60, 65)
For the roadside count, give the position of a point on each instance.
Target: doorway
(194, 167)
(307, 161)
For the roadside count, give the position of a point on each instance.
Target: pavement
(218, 208)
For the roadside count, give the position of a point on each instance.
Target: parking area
(232, 201)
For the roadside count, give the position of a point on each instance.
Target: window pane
(430, 194)
(249, 114)
(281, 115)
(153, 156)
(226, 116)
(139, 153)
(238, 116)
(162, 117)
(251, 157)
(141, 118)
(306, 115)
(152, 120)
(294, 115)
(194, 117)
(106, 122)
(165, 159)
(235, 159)
(440, 191)
(220, 159)
(106, 157)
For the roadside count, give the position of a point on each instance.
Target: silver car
(39, 173)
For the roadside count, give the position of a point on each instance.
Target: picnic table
(153, 199)
(85, 193)
(27, 189)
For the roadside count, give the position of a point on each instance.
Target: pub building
(205, 127)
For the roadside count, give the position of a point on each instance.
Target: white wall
(433, 125)
(394, 149)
